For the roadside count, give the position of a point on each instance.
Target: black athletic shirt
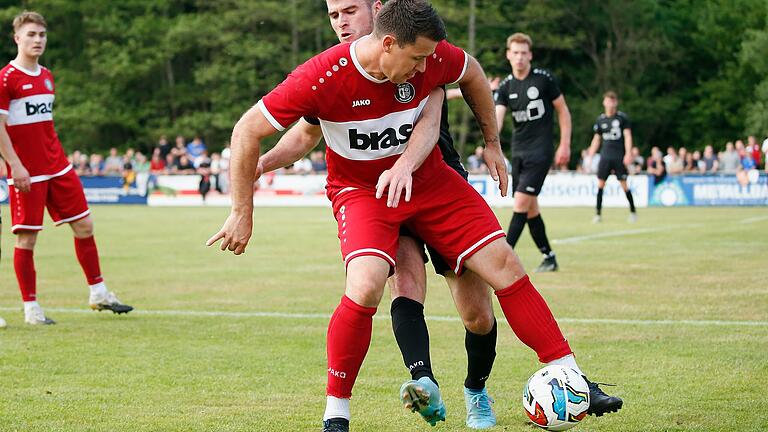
(445, 141)
(530, 102)
(611, 131)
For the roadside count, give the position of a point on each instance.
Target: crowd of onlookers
(732, 159)
(193, 158)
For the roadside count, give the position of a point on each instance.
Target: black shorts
(529, 172)
(608, 166)
(439, 264)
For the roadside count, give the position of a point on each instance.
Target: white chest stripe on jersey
(31, 109)
(374, 138)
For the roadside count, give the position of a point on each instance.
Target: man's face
(352, 19)
(519, 56)
(31, 39)
(610, 103)
(401, 64)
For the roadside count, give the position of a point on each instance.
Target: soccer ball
(556, 398)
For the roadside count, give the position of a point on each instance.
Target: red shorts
(63, 197)
(445, 211)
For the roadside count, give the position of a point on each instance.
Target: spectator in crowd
(754, 149)
(318, 162)
(97, 164)
(113, 165)
(128, 174)
(184, 166)
(656, 165)
(164, 146)
(216, 171)
(692, 161)
(224, 164)
(765, 152)
(682, 154)
(302, 166)
(730, 159)
(584, 162)
(747, 163)
(476, 163)
(141, 164)
(157, 164)
(178, 150)
(195, 148)
(672, 162)
(171, 164)
(200, 159)
(204, 170)
(638, 161)
(709, 162)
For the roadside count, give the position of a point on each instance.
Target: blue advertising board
(709, 190)
(102, 190)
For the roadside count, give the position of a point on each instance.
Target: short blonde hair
(520, 38)
(27, 17)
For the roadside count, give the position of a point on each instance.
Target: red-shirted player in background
(38, 171)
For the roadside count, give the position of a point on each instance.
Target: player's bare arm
(246, 144)
(21, 179)
(425, 134)
(627, 146)
(299, 140)
(477, 94)
(594, 146)
(563, 154)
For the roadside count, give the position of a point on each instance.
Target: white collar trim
(27, 71)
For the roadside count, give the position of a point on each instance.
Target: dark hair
(610, 94)
(406, 20)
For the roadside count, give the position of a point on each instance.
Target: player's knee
(406, 286)
(83, 228)
(26, 240)
(480, 323)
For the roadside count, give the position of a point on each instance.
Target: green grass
(160, 372)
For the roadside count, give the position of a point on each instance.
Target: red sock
(24, 264)
(532, 321)
(349, 335)
(88, 255)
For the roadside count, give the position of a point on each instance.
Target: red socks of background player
(532, 321)
(349, 335)
(88, 256)
(24, 264)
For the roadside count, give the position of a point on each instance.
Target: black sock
(539, 234)
(631, 201)
(516, 226)
(599, 201)
(412, 336)
(481, 351)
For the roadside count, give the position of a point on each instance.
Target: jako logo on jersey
(361, 102)
(389, 137)
(405, 92)
(42, 108)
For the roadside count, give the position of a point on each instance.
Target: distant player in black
(613, 129)
(532, 96)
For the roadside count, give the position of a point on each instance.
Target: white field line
(754, 219)
(578, 239)
(302, 316)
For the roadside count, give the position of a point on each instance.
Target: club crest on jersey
(405, 92)
(532, 93)
(48, 84)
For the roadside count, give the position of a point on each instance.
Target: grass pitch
(673, 309)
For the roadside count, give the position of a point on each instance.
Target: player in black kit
(613, 129)
(532, 96)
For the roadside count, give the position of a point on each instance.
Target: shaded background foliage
(688, 72)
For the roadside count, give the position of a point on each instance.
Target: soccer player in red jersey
(367, 95)
(39, 174)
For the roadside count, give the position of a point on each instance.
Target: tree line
(688, 72)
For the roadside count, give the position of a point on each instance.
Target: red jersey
(366, 122)
(26, 97)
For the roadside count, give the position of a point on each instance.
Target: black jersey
(611, 131)
(530, 102)
(444, 141)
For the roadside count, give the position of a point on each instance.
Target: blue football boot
(423, 396)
